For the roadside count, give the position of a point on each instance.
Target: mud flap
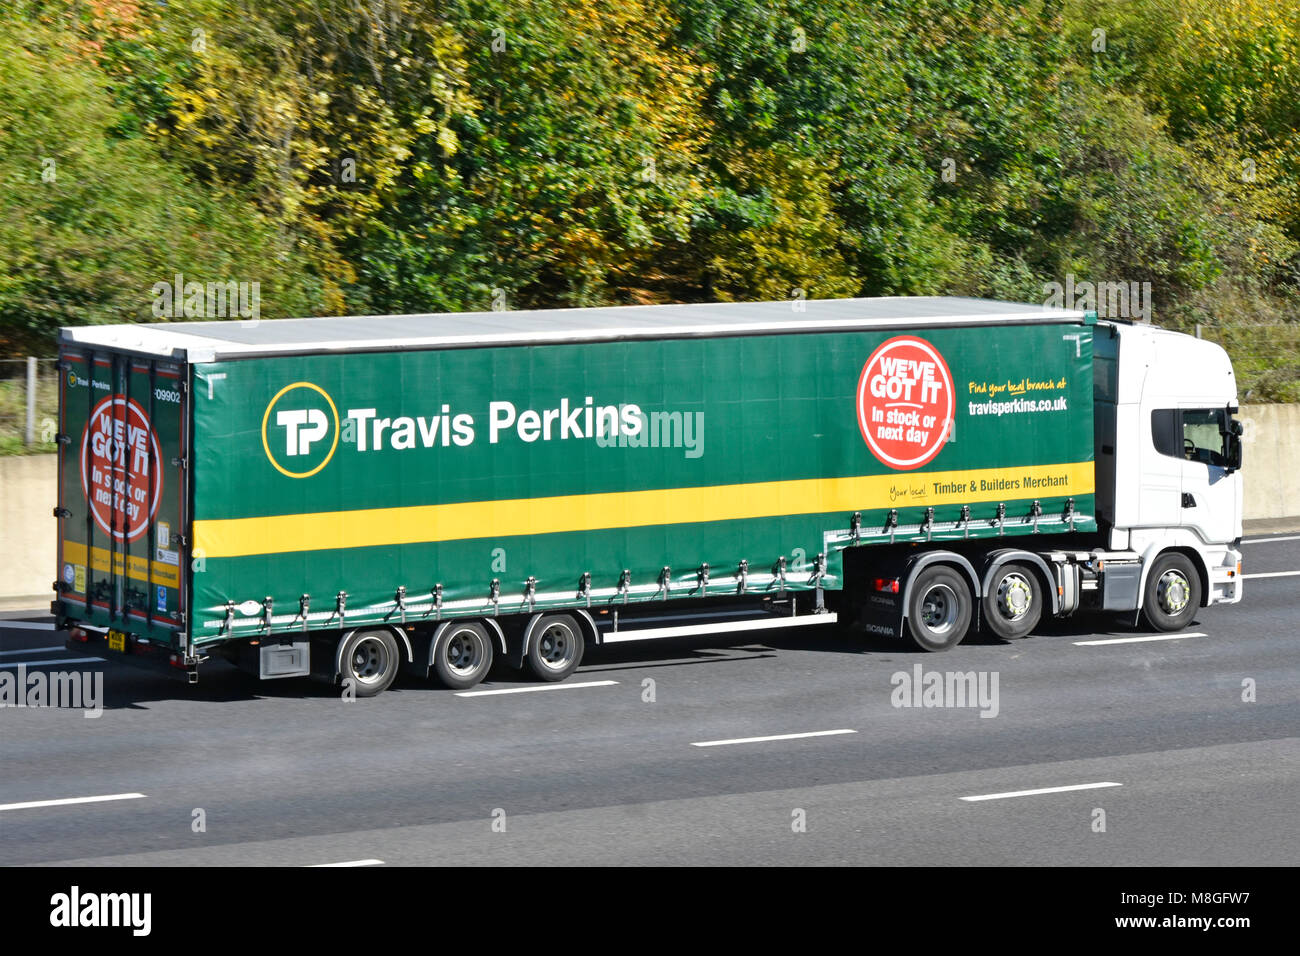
(880, 615)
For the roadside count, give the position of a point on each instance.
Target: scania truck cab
(1169, 480)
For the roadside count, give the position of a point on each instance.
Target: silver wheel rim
(1173, 591)
(464, 652)
(556, 646)
(1015, 596)
(939, 609)
(370, 660)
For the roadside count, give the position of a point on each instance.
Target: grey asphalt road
(606, 769)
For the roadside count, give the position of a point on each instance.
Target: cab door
(1210, 504)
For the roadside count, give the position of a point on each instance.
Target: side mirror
(1234, 448)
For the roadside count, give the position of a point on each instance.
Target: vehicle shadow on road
(128, 688)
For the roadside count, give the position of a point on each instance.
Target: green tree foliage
(790, 245)
(92, 217)
(815, 80)
(578, 160)
(314, 108)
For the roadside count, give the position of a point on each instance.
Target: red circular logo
(118, 452)
(905, 402)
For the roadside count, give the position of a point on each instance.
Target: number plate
(117, 641)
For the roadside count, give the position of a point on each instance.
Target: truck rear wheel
(555, 648)
(369, 660)
(462, 655)
(938, 608)
(1013, 604)
(1173, 593)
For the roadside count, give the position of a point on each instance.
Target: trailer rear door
(122, 493)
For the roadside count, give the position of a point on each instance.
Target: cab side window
(1203, 438)
(1193, 434)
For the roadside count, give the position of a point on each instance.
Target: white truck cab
(1168, 466)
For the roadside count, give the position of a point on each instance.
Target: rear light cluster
(79, 634)
(885, 585)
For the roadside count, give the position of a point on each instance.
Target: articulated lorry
(347, 497)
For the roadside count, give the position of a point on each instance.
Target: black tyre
(939, 608)
(1013, 602)
(462, 655)
(369, 660)
(555, 648)
(1173, 593)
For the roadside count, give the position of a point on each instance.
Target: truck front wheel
(1013, 604)
(938, 608)
(555, 648)
(368, 662)
(1173, 593)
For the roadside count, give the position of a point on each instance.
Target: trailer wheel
(462, 655)
(1013, 604)
(938, 608)
(369, 659)
(1173, 593)
(555, 648)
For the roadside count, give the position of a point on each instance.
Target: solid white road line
(33, 650)
(349, 863)
(721, 627)
(53, 660)
(70, 800)
(759, 740)
(26, 625)
(1289, 537)
(1034, 793)
(532, 688)
(1140, 640)
(1271, 574)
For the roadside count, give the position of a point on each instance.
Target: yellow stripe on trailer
(380, 527)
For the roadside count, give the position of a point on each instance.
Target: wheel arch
(1198, 564)
(585, 623)
(402, 639)
(917, 564)
(588, 624)
(998, 559)
(493, 629)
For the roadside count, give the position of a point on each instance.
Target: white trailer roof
(234, 339)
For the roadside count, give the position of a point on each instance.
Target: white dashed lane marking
(534, 688)
(760, 740)
(1140, 640)
(1035, 793)
(67, 801)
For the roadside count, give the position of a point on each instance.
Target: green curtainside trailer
(273, 484)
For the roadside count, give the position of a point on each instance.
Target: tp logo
(305, 425)
(296, 430)
(905, 402)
